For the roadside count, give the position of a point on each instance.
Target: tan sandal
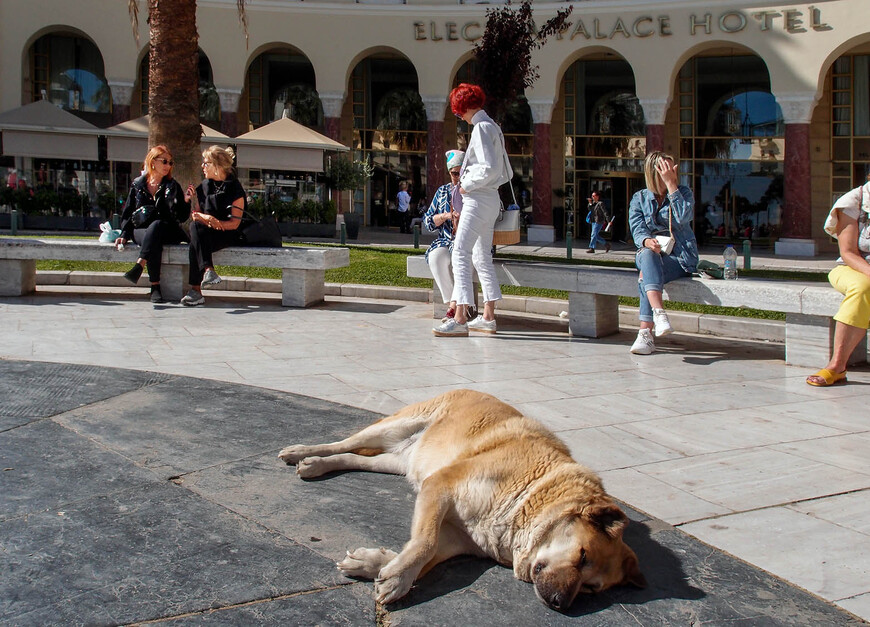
(828, 377)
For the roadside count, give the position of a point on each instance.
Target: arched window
(68, 71)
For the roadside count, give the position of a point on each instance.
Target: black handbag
(263, 232)
(143, 216)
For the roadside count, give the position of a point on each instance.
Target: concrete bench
(594, 291)
(302, 269)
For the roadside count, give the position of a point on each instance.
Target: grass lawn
(386, 266)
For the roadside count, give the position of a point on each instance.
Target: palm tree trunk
(173, 96)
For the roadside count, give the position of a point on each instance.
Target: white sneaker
(661, 322)
(451, 328)
(192, 299)
(644, 344)
(482, 326)
(210, 278)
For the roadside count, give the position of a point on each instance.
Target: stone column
(654, 110)
(796, 239)
(122, 96)
(436, 163)
(541, 230)
(230, 111)
(332, 102)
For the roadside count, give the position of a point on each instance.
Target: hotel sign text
(789, 20)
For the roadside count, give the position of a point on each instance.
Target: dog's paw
(390, 587)
(292, 454)
(312, 467)
(366, 563)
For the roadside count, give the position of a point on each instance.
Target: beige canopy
(284, 145)
(43, 130)
(128, 141)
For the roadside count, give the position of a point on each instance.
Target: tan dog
(489, 482)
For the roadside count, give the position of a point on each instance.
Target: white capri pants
(439, 264)
(473, 245)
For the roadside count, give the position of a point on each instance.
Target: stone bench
(302, 269)
(594, 291)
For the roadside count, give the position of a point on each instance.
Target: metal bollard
(568, 244)
(13, 222)
(116, 221)
(416, 236)
(747, 255)
(343, 233)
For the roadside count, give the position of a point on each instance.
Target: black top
(599, 213)
(216, 197)
(169, 201)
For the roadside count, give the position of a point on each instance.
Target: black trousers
(203, 242)
(152, 239)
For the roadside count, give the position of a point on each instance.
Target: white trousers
(472, 248)
(439, 264)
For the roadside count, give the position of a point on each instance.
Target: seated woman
(440, 219)
(217, 218)
(663, 205)
(167, 206)
(848, 221)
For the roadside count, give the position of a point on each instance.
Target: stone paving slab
(167, 503)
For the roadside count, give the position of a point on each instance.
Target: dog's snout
(556, 601)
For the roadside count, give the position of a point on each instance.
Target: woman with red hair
(485, 168)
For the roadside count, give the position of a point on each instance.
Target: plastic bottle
(730, 268)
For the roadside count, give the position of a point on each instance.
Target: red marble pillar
(542, 191)
(230, 123)
(436, 164)
(655, 137)
(797, 209)
(333, 128)
(120, 113)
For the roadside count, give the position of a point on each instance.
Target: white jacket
(486, 165)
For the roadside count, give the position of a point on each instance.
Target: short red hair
(466, 96)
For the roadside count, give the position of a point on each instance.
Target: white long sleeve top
(486, 164)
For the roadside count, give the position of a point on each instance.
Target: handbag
(589, 217)
(666, 240)
(263, 232)
(143, 216)
(507, 225)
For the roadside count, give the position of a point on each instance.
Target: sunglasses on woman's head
(169, 162)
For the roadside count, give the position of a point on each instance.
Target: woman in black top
(216, 220)
(167, 207)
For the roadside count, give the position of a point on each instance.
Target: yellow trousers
(855, 286)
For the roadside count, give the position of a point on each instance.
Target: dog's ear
(631, 570)
(608, 518)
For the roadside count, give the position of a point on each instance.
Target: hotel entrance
(615, 191)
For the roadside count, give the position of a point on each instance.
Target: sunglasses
(168, 162)
(456, 173)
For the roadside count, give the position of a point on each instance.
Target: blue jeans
(596, 239)
(655, 270)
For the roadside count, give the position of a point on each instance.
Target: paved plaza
(140, 481)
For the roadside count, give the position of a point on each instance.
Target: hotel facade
(765, 105)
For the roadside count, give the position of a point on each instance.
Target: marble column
(541, 230)
(796, 235)
(122, 96)
(332, 102)
(436, 164)
(654, 110)
(230, 123)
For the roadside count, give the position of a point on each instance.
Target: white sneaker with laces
(644, 343)
(661, 322)
(451, 328)
(482, 326)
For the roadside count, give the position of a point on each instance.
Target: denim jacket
(646, 218)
